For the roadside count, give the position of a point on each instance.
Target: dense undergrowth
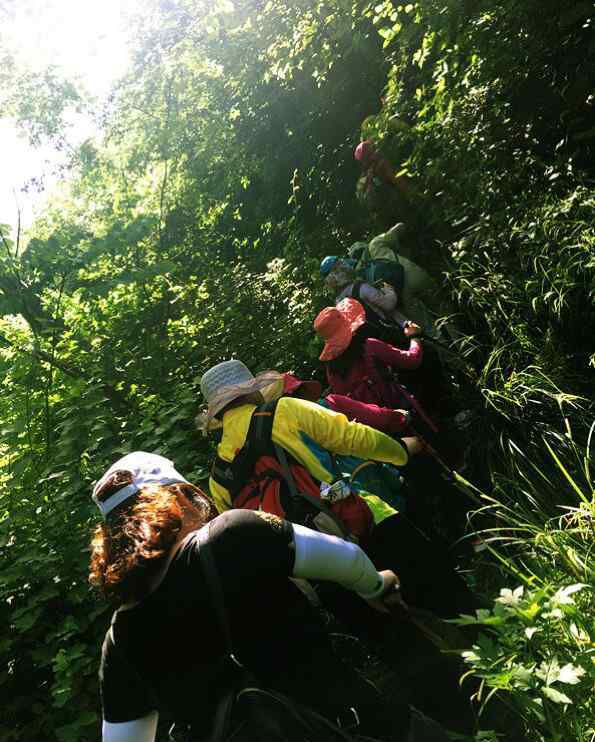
(193, 232)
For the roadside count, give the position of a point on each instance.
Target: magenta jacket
(370, 381)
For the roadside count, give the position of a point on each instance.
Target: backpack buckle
(351, 719)
(179, 733)
(235, 660)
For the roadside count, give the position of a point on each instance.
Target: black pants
(428, 581)
(331, 686)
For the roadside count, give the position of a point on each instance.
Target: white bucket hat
(229, 380)
(146, 468)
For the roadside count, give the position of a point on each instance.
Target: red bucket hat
(336, 326)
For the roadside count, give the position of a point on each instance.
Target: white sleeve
(139, 730)
(319, 556)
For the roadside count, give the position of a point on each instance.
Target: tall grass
(536, 649)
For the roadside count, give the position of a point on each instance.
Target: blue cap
(327, 264)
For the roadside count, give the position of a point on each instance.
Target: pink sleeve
(407, 359)
(382, 418)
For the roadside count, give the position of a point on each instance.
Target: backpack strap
(296, 494)
(211, 575)
(234, 475)
(356, 290)
(224, 710)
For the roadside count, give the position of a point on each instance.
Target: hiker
(198, 596)
(257, 439)
(379, 189)
(341, 277)
(270, 459)
(393, 286)
(368, 370)
(360, 367)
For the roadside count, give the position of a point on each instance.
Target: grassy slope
(507, 174)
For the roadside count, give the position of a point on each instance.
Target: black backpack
(377, 326)
(247, 712)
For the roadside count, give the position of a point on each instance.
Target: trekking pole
(452, 473)
(402, 320)
(440, 633)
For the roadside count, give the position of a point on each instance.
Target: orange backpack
(263, 476)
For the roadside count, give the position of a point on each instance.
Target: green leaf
(555, 695)
(571, 674)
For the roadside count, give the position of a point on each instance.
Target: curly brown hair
(128, 549)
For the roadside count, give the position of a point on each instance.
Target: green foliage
(537, 652)
(37, 102)
(536, 648)
(192, 233)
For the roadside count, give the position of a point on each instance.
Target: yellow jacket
(308, 432)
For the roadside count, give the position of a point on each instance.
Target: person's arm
(280, 549)
(319, 556)
(381, 418)
(384, 299)
(139, 730)
(406, 359)
(334, 432)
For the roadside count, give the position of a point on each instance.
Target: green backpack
(375, 271)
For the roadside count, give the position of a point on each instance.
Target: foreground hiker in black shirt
(164, 648)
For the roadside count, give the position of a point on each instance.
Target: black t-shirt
(165, 653)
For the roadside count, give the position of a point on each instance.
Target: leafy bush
(536, 647)
(192, 233)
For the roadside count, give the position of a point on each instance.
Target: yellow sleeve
(334, 432)
(220, 495)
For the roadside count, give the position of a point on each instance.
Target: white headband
(146, 468)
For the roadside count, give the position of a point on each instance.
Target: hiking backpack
(248, 712)
(263, 476)
(379, 270)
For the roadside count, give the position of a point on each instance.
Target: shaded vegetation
(193, 231)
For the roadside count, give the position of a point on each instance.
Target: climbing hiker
(376, 261)
(263, 446)
(379, 189)
(341, 278)
(270, 458)
(370, 370)
(394, 287)
(205, 613)
(360, 367)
